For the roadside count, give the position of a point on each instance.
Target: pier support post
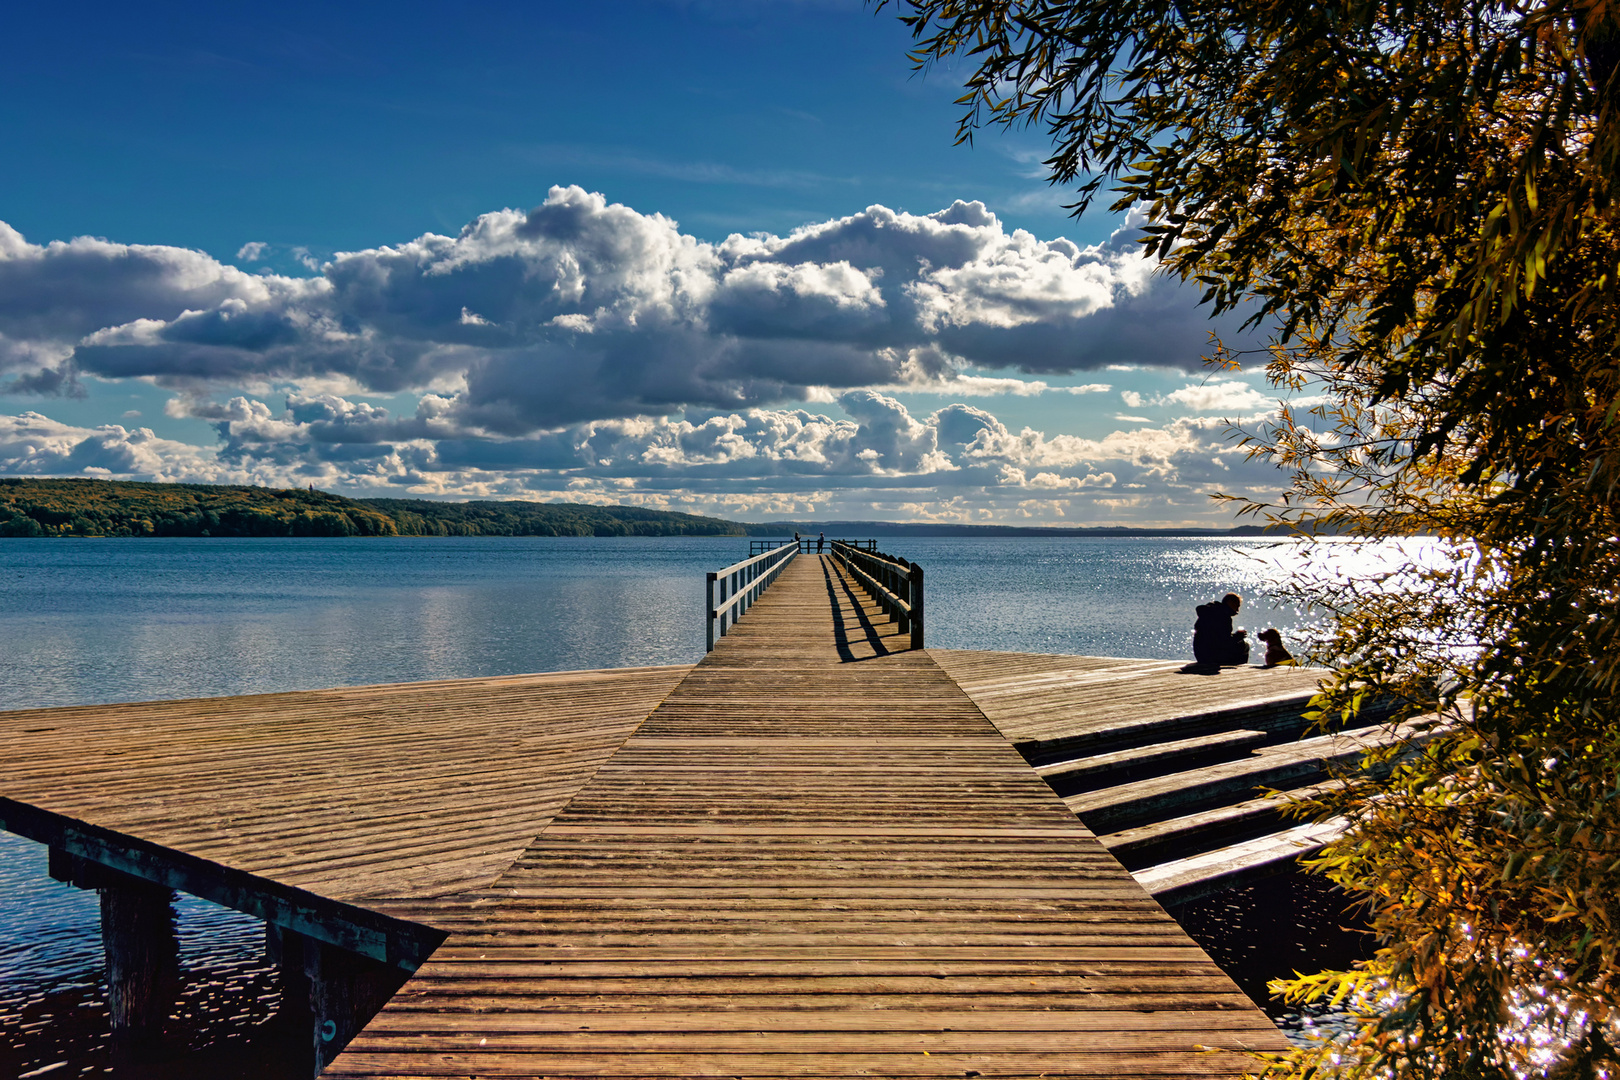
(142, 951)
(143, 962)
(333, 991)
(295, 1018)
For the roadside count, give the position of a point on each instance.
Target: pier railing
(808, 544)
(897, 585)
(729, 593)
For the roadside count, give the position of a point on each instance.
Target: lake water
(93, 621)
(131, 620)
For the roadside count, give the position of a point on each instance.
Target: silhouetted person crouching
(1215, 643)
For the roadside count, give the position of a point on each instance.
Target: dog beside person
(1217, 644)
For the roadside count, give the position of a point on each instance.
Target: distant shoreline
(49, 508)
(87, 508)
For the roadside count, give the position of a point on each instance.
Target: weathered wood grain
(1054, 708)
(816, 857)
(1171, 763)
(412, 789)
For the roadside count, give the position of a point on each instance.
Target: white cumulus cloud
(581, 309)
(1230, 396)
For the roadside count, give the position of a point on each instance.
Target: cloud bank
(582, 310)
(582, 349)
(958, 462)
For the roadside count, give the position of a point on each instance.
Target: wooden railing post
(708, 611)
(916, 606)
(895, 584)
(738, 587)
(902, 589)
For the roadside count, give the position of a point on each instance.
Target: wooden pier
(818, 852)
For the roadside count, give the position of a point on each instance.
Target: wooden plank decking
(1171, 764)
(815, 858)
(810, 855)
(1052, 707)
(418, 789)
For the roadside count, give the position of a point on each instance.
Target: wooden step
(1284, 766)
(1194, 834)
(1282, 718)
(1185, 880)
(1153, 759)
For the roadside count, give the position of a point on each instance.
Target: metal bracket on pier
(328, 992)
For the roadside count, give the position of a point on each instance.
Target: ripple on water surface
(1292, 922)
(53, 1011)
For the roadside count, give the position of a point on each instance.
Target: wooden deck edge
(399, 942)
(1177, 883)
(371, 688)
(1271, 716)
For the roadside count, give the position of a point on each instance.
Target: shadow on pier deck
(1184, 777)
(811, 854)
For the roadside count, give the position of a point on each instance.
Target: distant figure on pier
(1275, 653)
(1215, 643)
(821, 543)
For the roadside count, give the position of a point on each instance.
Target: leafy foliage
(126, 508)
(1418, 199)
(117, 508)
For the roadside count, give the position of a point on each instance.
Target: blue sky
(720, 257)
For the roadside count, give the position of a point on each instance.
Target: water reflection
(142, 619)
(1275, 927)
(1125, 596)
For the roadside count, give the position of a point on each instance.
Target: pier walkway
(811, 854)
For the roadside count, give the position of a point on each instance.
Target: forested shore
(89, 508)
(73, 507)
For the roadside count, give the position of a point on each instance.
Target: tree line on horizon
(127, 508)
